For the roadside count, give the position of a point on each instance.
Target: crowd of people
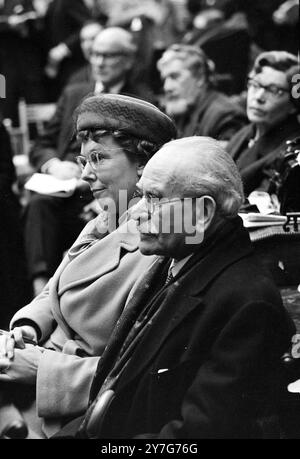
(169, 114)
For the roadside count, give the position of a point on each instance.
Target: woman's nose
(88, 174)
(260, 95)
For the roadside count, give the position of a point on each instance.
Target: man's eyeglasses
(154, 204)
(271, 90)
(111, 55)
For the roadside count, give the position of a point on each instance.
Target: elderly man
(52, 223)
(202, 357)
(190, 97)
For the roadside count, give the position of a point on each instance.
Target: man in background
(191, 99)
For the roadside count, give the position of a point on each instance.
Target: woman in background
(272, 112)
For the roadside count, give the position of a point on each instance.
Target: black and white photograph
(150, 234)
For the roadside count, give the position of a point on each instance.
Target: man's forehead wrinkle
(154, 179)
(162, 172)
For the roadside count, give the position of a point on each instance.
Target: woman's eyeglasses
(272, 90)
(94, 158)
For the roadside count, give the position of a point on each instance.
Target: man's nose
(140, 212)
(168, 85)
(97, 60)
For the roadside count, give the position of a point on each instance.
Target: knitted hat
(132, 116)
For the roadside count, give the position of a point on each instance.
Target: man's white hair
(203, 167)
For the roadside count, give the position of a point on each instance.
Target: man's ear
(206, 210)
(201, 82)
(140, 169)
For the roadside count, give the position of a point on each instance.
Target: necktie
(169, 276)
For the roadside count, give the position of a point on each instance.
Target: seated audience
(269, 22)
(21, 55)
(190, 97)
(88, 33)
(272, 111)
(76, 313)
(196, 352)
(156, 25)
(53, 223)
(217, 34)
(62, 24)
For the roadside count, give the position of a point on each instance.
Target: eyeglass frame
(255, 85)
(94, 158)
(152, 205)
(112, 55)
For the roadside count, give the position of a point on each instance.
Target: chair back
(33, 114)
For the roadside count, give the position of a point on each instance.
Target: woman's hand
(15, 339)
(23, 367)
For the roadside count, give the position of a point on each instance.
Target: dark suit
(214, 116)
(52, 224)
(63, 22)
(21, 58)
(14, 285)
(256, 163)
(83, 75)
(207, 365)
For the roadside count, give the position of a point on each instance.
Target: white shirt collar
(176, 266)
(115, 89)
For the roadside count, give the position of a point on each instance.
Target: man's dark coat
(207, 365)
(213, 116)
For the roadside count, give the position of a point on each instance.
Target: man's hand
(58, 53)
(23, 367)
(64, 170)
(287, 13)
(15, 339)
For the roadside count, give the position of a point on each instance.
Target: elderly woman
(72, 319)
(272, 112)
